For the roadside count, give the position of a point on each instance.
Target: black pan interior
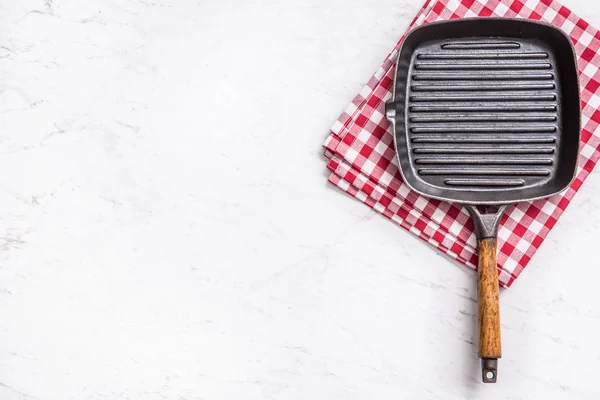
(487, 110)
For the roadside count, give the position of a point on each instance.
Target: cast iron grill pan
(486, 113)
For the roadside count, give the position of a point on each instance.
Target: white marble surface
(167, 231)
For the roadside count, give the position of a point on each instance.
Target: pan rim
(392, 101)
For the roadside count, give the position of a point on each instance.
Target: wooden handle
(489, 303)
(489, 309)
(486, 222)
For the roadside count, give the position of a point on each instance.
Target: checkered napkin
(362, 161)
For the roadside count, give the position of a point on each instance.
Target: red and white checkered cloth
(362, 161)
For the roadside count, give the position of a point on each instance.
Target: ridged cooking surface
(483, 114)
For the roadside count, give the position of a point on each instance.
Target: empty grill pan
(486, 113)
